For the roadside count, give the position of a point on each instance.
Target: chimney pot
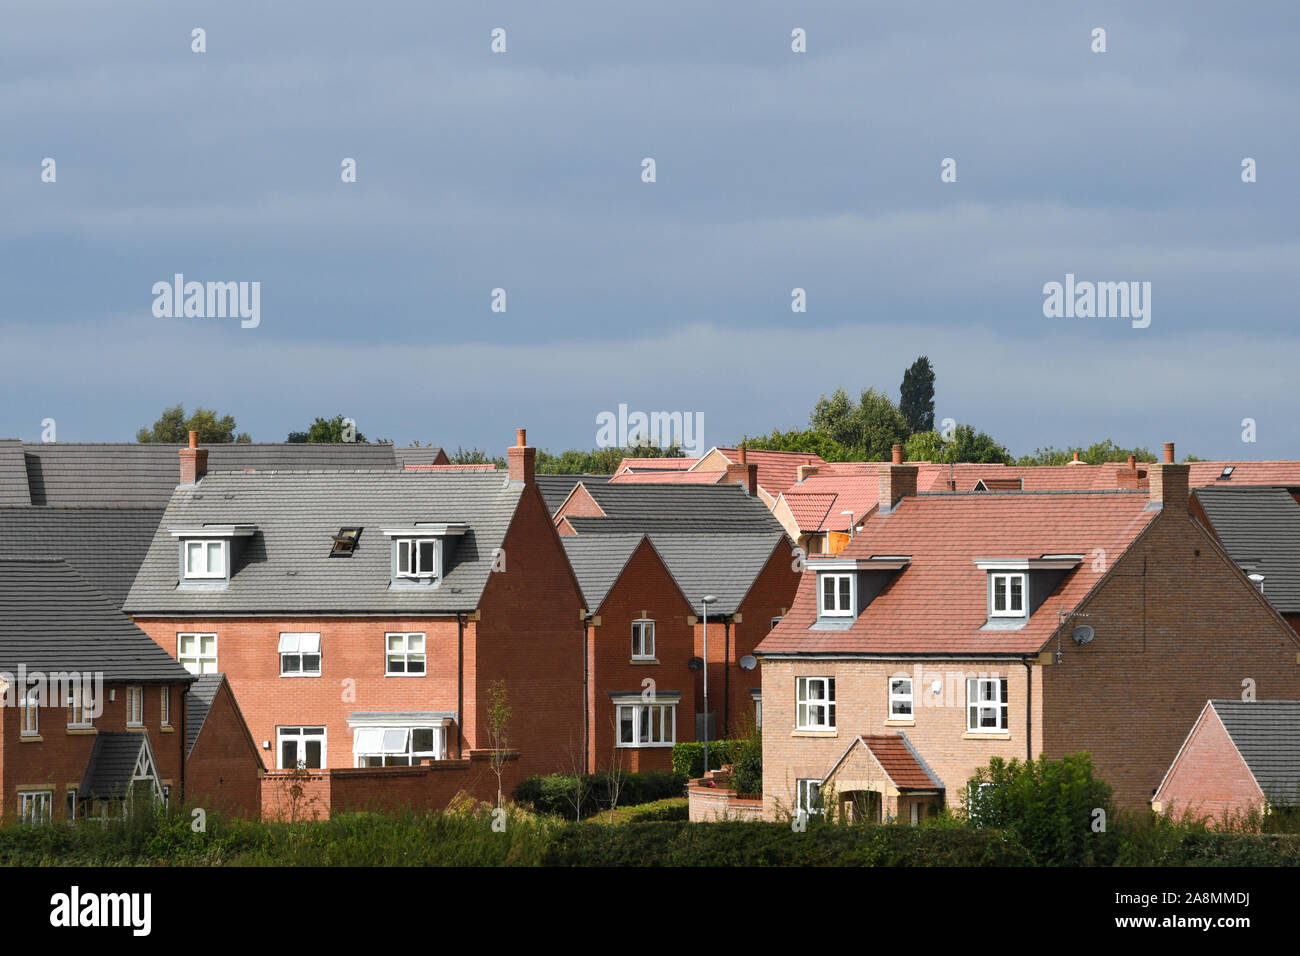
(742, 454)
(1076, 456)
(897, 454)
(1169, 451)
(194, 439)
(1132, 461)
(521, 437)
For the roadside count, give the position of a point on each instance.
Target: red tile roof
(809, 509)
(858, 494)
(668, 477)
(655, 464)
(938, 603)
(898, 762)
(777, 470)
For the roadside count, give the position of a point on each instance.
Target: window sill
(137, 728)
(900, 722)
(82, 731)
(30, 739)
(166, 729)
(646, 746)
(815, 733)
(403, 675)
(644, 660)
(991, 735)
(310, 675)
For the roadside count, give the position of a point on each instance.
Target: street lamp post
(705, 602)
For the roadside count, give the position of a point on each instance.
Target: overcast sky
(775, 170)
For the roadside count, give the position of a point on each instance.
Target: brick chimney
(522, 459)
(194, 461)
(805, 471)
(896, 481)
(743, 473)
(1075, 459)
(1168, 482)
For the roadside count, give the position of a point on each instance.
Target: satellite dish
(1083, 634)
(748, 662)
(696, 663)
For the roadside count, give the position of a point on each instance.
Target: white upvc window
(397, 746)
(416, 557)
(135, 706)
(297, 747)
(29, 718)
(643, 640)
(647, 725)
(404, 655)
(80, 708)
(808, 796)
(165, 706)
(34, 806)
(900, 698)
(816, 703)
(300, 655)
(197, 652)
(836, 595)
(986, 704)
(1008, 595)
(71, 807)
(205, 558)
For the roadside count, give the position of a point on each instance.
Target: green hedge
(558, 794)
(688, 758)
(776, 844)
(674, 808)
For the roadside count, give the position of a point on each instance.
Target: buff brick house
(961, 626)
(360, 617)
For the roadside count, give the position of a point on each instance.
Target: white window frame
(652, 725)
(194, 663)
(70, 800)
(805, 704)
(378, 745)
(639, 628)
(898, 696)
(299, 734)
(415, 570)
(977, 705)
(135, 705)
(165, 706)
(805, 788)
(79, 706)
(838, 611)
(34, 803)
(1001, 587)
(202, 570)
(300, 645)
(406, 654)
(29, 718)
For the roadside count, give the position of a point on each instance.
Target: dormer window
(1008, 597)
(205, 558)
(836, 595)
(416, 557)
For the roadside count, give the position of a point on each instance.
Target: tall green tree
(965, 445)
(809, 441)
(326, 431)
(916, 397)
(173, 427)
(868, 427)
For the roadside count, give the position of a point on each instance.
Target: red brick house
(361, 617)
(1240, 757)
(93, 712)
(639, 629)
(220, 752)
(1012, 624)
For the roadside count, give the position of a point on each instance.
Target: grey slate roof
(105, 545)
(556, 488)
(588, 525)
(198, 702)
(112, 764)
(286, 565)
(597, 561)
(715, 503)
(724, 565)
(123, 473)
(421, 455)
(13, 473)
(52, 619)
(1260, 526)
(1267, 735)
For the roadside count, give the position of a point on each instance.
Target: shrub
(748, 763)
(688, 757)
(1048, 806)
(675, 808)
(558, 794)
